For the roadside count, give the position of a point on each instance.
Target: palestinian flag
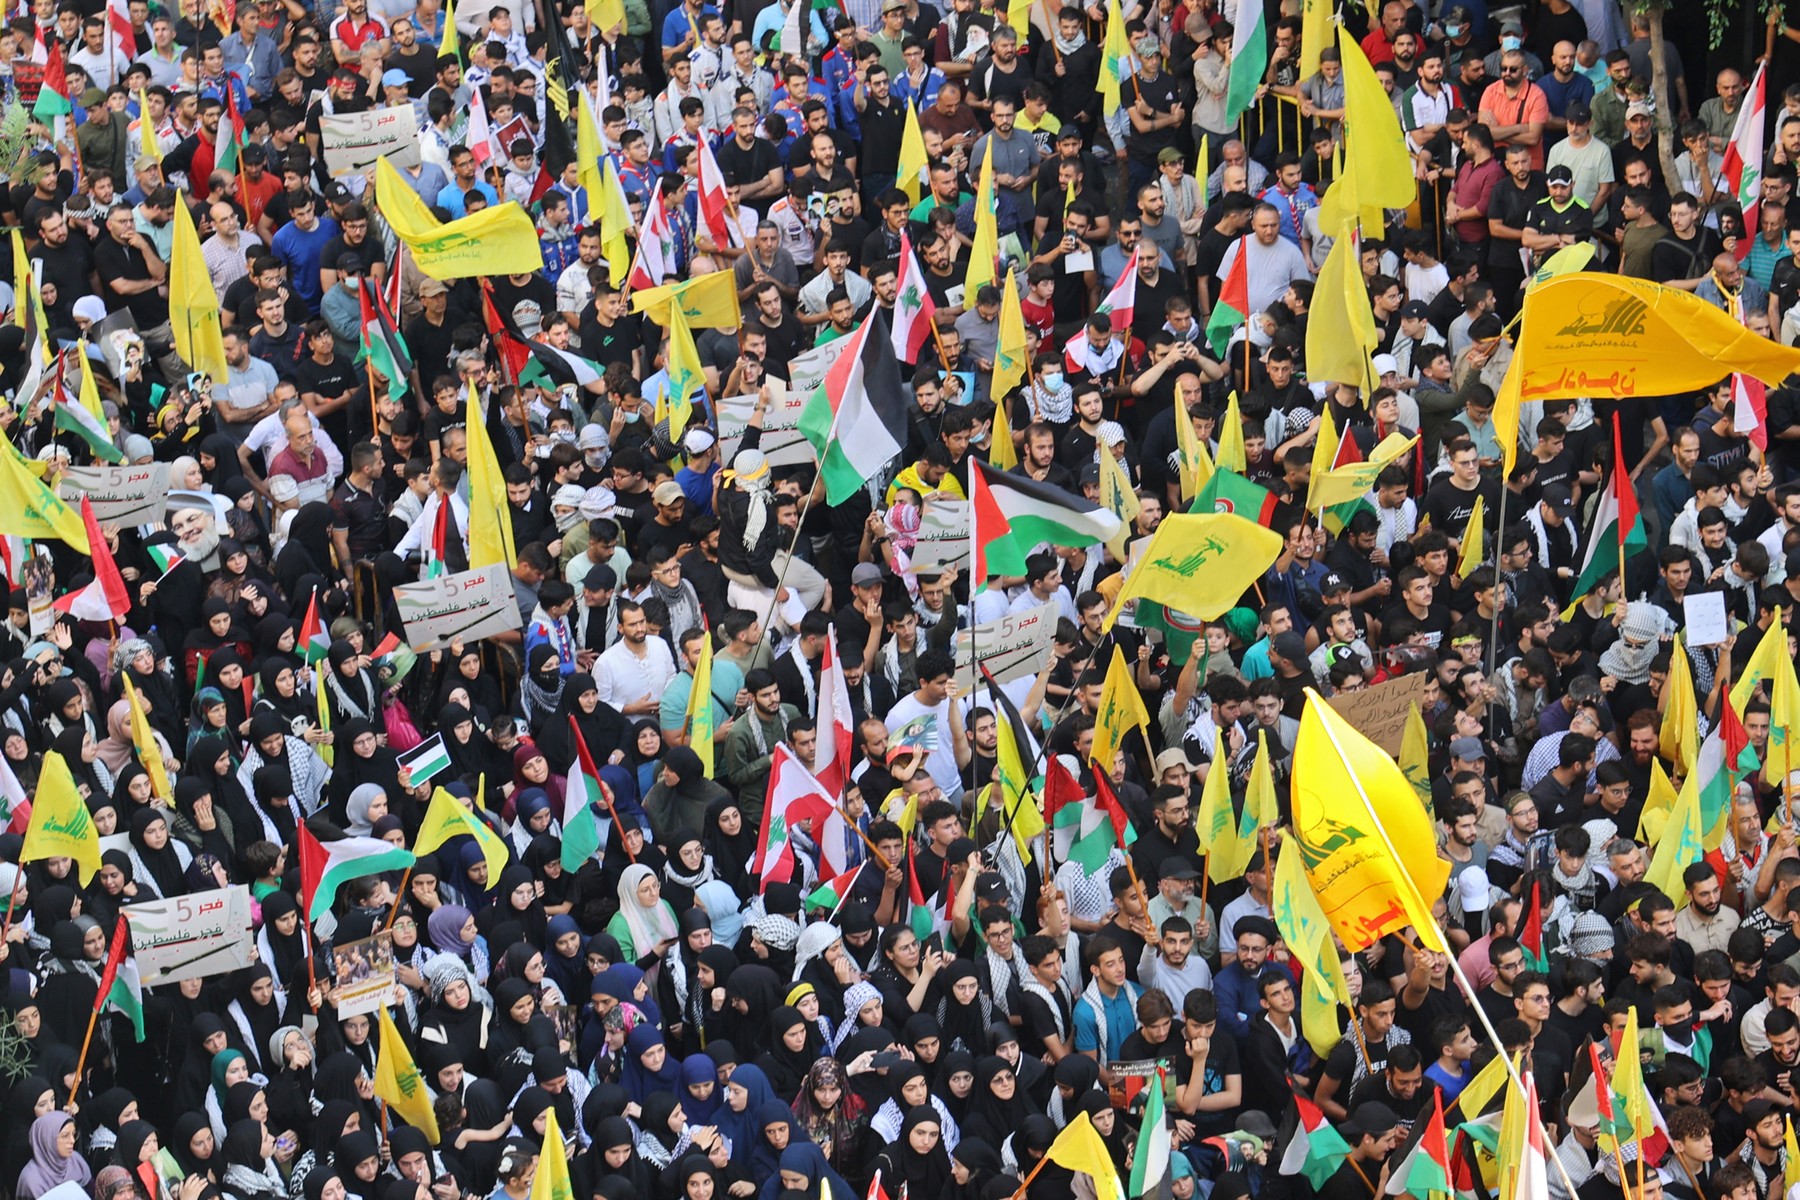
(53, 96)
(1618, 530)
(232, 143)
(856, 419)
(1425, 1170)
(837, 722)
(1120, 305)
(1233, 305)
(1087, 832)
(992, 548)
(1531, 933)
(1229, 492)
(382, 344)
(584, 830)
(330, 858)
(1726, 756)
(83, 416)
(793, 796)
(559, 367)
(105, 599)
(514, 356)
(920, 915)
(1041, 512)
(1150, 1174)
(121, 990)
(435, 562)
(1317, 1150)
(914, 309)
(315, 643)
(166, 555)
(834, 891)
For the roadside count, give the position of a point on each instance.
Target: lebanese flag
(793, 795)
(714, 201)
(1750, 408)
(914, 309)
(1744, 155)
(118, 15)
(655, 258)
(478, 137)
(1121, 303)
(105, 599)
(837, 723)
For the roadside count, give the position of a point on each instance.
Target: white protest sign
(353, 141)
(131, 495)
(781, 441)
(807, 371)
(457, 608)
(187, 937)
(1014, 646)
(1707, 624)
(943, 537)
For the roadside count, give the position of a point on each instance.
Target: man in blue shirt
(464, 179)
(681, 28)
(1106, 1011)
(299, 244)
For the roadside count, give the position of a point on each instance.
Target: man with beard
(1705, 924)
(1169, 837)
(744, 760)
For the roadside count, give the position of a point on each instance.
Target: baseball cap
(395, 77)
(1333, 583)
(1169, 154)
(865, 575)
(1372, 1117)
(350, 264)
(1173, 757)
(697, 441)
(1559, 174)
(889, 6)
(1385, 364)
(990, 886)
(1467, 748)
(1415, 308)
(1255, 1121)
(1577, 112)
(668, 492)
(1637, 109)
(1290, 645)
(1176, 867)
(433, 287)
(93, 98)
(338, 193)
(1557, 496)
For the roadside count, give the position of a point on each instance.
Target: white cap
(1386, 364)
(697, 441)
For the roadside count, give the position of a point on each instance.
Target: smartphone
(887, 1058)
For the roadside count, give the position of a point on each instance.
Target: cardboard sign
(1014, 646)
(353, 141)
(189, 937)
(781, 442)
(365, 975)
(132, 495)
(1379, 713)
(457, 608)
(943, 537)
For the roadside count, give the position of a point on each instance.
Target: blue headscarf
(571, 974)
(696, 1069)
(637, 1079)
(744, 1129)
(805, 1158)
(721, 904)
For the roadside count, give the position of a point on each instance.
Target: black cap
(1333, 583)
(1578, 113)
(1176, 867)
(1559, 174)
(350, 264)
(1557, 496)
(338, 193)
(1371, 1117)
(1415, 308)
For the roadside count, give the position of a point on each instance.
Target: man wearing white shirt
(99, 55)
(269, 435)
(1274, 262)
(634, 671)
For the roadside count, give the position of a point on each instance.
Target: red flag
(1531, 932)
(514, 355)
(1749, 410)
(106, 598)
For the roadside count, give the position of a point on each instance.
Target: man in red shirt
(1379, 44)
(1515, 109)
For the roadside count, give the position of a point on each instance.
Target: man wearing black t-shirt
(1685, 255)
(751, 160)
(1155, 110)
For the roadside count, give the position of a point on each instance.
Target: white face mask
(1510, 43)
(1052, 380)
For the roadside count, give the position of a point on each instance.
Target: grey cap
(1467, 748)
(865, 575)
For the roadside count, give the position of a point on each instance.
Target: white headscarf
(648, 926)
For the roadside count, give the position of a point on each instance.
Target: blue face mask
(631, 418)
(1510, 43)
(1053, 380)
(1453, 31)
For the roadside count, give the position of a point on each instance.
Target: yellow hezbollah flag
(1232, 455)
(1200, 563)
(447, 818)
(1308, 936)
(1010, 367)
(1115, 60)
(588, 148)
(60, 825)
(1340, 326)
(1657, 806)
(147, 145)
(1119, 498)
(144, 742)
(1315, 35)
(1631, 1100)
(1216, 824)
(1613, 336)
(986, 247)
(193, 304)
(1473, 533)
(1681, 843)
(1260, 808)
(1679, 738)
(450, 44)
(700, 706)
(495, 241)
(1079, 1148)
(1012, 772)
(1002, 454)
(322, 708)
(607, 15)
(1415, 754)
(552, 1180)
(398, 1082)
(29, 509)
(913, 157)
(1481, 1090)
(1368, 845)
(1191, 458)
(1325, 448)
(1352, 481)
(490, 517)
(686, 373)
(615, 223)
(1121, 708)
(1378, 167)
(1770, 663)
(1507, 402)
(709, 302)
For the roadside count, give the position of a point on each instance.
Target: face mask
(563, 435)
(1053, 380)
(1453, 31)
(631, 418)
(1510, 43)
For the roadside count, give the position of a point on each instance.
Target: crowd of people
(701, 1024)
